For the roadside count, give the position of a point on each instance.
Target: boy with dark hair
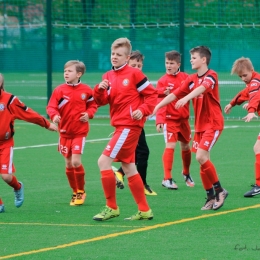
(71, 106)
(175, 123)
(142, 151)
(202, 89)
(131, 98)
(243, 67)
(11, 108)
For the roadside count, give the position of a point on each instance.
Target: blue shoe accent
(19, 196)
(2, 208)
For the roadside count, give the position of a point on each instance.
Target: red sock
(71, 179)
(79, 174)
(136, 186)
(257, 169)
(14, 183)
(167, 158)
(205, 180)
(1, 202)
(109, 186)
(186, 160)
(209, 169)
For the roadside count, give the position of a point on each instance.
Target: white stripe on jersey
(213, 81)
(191, 85)
(64, 101)
(142, 87)
(90, 99)
(119, 143)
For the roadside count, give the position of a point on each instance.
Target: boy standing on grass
(11, 108)
(175, 123)
(71, 106)
(142, 151)
(131, 98)
(202, 89)
(243, 67)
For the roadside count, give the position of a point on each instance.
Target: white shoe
(170, 184)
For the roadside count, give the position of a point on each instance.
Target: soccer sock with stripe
(71, 179)
(136, 186)
(257, 169)
(79, 174)
(186, 160)
(109, 186)
(167, 158)
(14, 183)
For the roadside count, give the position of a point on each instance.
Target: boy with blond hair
(142, 150)
(202, 89)
(11, 108)
(175, 123)
(71, 106)
(131, 98)
(243, 67)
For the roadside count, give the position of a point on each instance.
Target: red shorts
(177, 131)
(123, 144)
(6, 160)
(205, 140)
(67, 146)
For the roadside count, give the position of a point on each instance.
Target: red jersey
(69, 101)
(169, 112)
(129, 90)
(207, 109)
(11, 108)
(250, 93)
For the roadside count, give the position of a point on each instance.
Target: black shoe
(253, 192)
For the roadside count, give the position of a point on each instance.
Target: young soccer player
(202, 88)
(71, 106)
(131, 98)
(11, 108)
(243, 67)
(175, 123)
(142, 151)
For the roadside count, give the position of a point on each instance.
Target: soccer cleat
(119, 180)
(2, 208)
(253, 192)
(209, 204)
(141, 215)
(19, 196)
(219, 199)
(106, 214)
(170, 184)
(73, 198)
(149, 191)
(188, 180)
(80, 197)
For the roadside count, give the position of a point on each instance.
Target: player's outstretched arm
(167, 100)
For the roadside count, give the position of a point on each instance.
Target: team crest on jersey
(83, 96)
(2, 106)
(125, 82)
(200, 80)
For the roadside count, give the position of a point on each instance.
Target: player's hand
(159, 127)
(245, 106)
(53, 127)
(103, 84)
(181, 103)
(84, 117)
(249, 117)
(137, 114)
(56, 119)
(227, 108)
(167, 91)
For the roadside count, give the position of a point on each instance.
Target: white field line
(104, 139)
